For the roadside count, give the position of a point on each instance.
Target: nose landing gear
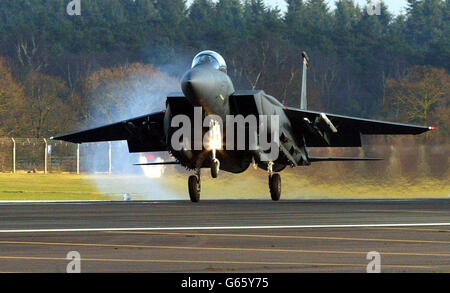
(215, 166)
(215, 143)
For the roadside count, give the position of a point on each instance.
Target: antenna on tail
(304, 101)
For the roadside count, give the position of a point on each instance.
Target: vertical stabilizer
(304, 101)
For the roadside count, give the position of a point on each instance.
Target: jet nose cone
(195, 85)
(190, 83)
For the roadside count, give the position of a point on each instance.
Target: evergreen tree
(229, 24)
(317, 25)
(201, 15)
(347, 15)
(353, 54)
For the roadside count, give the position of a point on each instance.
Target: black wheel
(275, 187)
(215, 165)
(194, 188)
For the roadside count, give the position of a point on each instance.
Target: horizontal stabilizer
(337, 159)
(158, 164)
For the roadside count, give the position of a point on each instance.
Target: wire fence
(402, 157)
(41, 155)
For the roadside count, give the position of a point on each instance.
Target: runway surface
(226, 236)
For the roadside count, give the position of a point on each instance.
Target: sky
(395, 6)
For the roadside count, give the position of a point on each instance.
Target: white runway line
(225, 228)
(57, 201)
(119, 200)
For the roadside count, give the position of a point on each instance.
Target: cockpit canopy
(210, 57)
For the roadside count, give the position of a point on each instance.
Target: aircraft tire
(215, 168)
(194, 188)
(275, 187)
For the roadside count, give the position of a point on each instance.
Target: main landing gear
(274, 183)
(194, 180)
(215, 143)
(195, 187)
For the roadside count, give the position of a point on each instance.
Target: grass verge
(251, 185)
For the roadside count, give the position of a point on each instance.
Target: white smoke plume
(118, 94)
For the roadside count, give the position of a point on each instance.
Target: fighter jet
(207, 90)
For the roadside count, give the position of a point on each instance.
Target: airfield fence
(403, 157)
(41, 155)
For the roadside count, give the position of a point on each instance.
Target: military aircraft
(208, 87)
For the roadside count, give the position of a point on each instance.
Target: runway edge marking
(222, 228)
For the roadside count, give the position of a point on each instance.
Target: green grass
(250, 185)
(48, 187)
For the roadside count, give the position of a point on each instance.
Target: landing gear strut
(215, 143)
(195, 187)
(215, 165)
(274, 183)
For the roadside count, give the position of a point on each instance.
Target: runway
(226, 236)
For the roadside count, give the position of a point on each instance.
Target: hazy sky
(395, 6)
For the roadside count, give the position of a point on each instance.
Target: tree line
(60, 72)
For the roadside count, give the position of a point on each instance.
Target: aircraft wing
(330, 130)
(144, 133)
